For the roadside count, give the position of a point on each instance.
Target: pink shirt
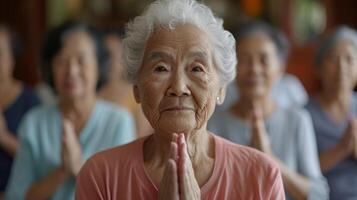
(239, 173)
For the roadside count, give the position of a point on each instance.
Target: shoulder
(40, 112)
(246, 157)
(30, 95)
(111, 110)
(118, 157)
(252, 167)
(37, 117)
(293, 114)
(27, 91)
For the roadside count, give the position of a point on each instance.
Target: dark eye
(349, 59)
(264, 59)
(197, 68)
(81, 60)
(160, 68)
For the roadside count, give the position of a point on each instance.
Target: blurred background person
(15, 100)
(334, 112)
(287, 91)
(256, 120)
(55, 140)
(118, 90)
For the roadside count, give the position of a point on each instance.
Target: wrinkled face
(258, 66)
(178, 83)
(75, 67)
(339, 68)
(113, 46)
(6, 57)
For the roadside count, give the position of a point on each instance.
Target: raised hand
(169, 186)
(260, 139)
(71, 152)
(349, 140)
(179, 180)
(189, 188)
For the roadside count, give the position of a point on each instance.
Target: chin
(73, 95)
(177, 124)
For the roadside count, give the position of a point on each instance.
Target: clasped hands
(71, 153)
(260, 139)
(178, 181)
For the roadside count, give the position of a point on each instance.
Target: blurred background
(303, 21)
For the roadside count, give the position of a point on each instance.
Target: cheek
(90, 75)
(271, 75)
(58, 78)
(151, 93)
(5, 66)
(204, 94)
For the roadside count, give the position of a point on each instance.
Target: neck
(198, 146)
(339, 99)
(245, 106)
(76, 109)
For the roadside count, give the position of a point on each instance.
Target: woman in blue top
(334, 111)
(56, 140)
(16, 99)
(255, 119)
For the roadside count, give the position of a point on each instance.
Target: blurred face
(339, 68)
(258, 66)
(75, 67)
(178, 82)
(6, 57)
(113, 46)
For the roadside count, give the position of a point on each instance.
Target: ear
(221, 95)
(136, 94)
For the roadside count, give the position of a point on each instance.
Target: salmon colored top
(239, 173)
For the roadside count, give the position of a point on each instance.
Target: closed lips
(178, 109)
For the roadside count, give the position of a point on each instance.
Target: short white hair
(170, 13)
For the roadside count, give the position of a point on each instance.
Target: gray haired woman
(334, 110)
(180, 60)
(256, 120)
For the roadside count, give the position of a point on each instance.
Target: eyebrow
(198, 54)
(158, 55)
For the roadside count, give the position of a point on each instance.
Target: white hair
(170, 13)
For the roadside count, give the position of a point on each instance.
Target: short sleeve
(276, 191)
(89, 185)
(23, 170)
(308, 162)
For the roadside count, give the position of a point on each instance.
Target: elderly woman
(56, 140)
(180, 59)
(286, 134)
(334, 110)
(16, 99)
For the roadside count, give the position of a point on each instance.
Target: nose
(72, 67)
(178, 86)
(256, 67)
